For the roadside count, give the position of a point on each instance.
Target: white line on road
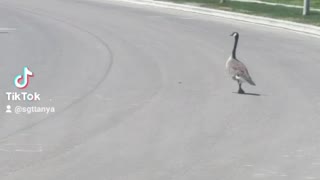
(6, 30)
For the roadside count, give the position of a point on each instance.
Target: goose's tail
(250, 81)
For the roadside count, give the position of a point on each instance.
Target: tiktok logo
(22, 81)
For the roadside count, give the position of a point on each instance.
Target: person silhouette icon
(8, 109)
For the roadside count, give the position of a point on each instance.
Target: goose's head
(235, 34)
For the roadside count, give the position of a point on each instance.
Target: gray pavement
(142, 94)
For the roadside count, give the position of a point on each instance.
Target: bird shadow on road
(249, 94)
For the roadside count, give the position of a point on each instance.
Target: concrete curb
(275, 4)
(297, 27)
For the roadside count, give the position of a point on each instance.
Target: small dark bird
(237, 70)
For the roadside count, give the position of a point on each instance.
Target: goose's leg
(240, 91)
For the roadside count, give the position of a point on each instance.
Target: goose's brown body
(238, 71)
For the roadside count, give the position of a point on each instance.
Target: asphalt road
(142, 94)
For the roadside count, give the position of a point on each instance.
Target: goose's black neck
(234, 51)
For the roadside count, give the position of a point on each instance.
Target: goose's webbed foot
(241, 91)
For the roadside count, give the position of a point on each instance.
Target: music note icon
(22, 81)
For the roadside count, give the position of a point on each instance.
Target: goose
(236, 69)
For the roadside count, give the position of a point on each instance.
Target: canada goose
(236, 68)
